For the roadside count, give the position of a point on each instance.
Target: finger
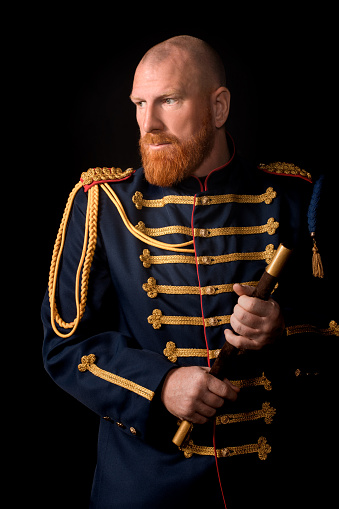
(223, 389)
(247, 318)
(197, 418)
(256, 306)
(212, 400)
(243, 289)
(242, 329)
(240, 342)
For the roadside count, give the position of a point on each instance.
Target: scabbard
(262, 291)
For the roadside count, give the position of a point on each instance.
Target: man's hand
(257, 322)
(191, 393)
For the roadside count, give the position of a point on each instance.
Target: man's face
(174, 117)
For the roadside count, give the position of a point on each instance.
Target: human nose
(151, 120)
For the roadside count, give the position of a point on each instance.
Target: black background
(69, 77)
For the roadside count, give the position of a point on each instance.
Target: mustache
(159, 138)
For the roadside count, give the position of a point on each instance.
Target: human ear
(221, 105)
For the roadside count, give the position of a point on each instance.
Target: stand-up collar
(215, 177)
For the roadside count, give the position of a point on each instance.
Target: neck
(219, 156)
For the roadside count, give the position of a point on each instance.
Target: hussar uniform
(141, 282)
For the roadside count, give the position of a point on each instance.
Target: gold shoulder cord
(89, 244)
(179, 248)
(90, 238)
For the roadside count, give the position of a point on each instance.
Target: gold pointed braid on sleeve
(266, 197)
(100, 174)
(262, 448)
(88, 364)
(332, 330)
(148, 260)
(279, 168)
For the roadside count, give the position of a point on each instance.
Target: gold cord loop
(84, 267)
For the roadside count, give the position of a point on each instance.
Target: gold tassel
(317, 266)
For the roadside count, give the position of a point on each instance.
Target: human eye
(169, 101)
(140, 104)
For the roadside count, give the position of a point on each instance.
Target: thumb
(243, 289)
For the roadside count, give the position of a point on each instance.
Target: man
(156, 256)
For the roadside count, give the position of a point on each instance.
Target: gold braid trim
(152, 288)
(157, 319)
(332, 330)
(172, 352)
(147, 259)
(267, 197)
(254, 382)
(270, 227)
(266, 412)
(87, 364)
(262, 448)
(84, 267)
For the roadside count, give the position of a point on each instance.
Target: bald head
(201, 58)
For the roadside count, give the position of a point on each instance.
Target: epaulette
(286, 169)
(102, 175)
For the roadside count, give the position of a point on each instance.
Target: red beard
(170, 165)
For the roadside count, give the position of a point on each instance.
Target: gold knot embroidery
(141, 227)
(270, 195)
(146, 258)
(272, 226)
(155, 319)
(334, 328)
(263, 448)
(151, 287)
(86, 362)
(99, 174)
(269, 252)
(171, 351)
(137, 199)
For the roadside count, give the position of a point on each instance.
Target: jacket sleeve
(103, 368)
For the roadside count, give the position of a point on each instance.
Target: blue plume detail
(313, 207)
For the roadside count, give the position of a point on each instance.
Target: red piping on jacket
(206, 342)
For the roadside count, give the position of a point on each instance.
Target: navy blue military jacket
(150, 308)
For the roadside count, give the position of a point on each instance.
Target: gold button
(225, 419)
(205, 200)
(206, 260)
(204, 233)
(133, 430)
(210, 290)
(225, 452)
(120, 425)
(213, 321)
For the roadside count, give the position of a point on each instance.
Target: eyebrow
(169, 93)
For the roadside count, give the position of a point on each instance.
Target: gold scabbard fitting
(278, 261)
